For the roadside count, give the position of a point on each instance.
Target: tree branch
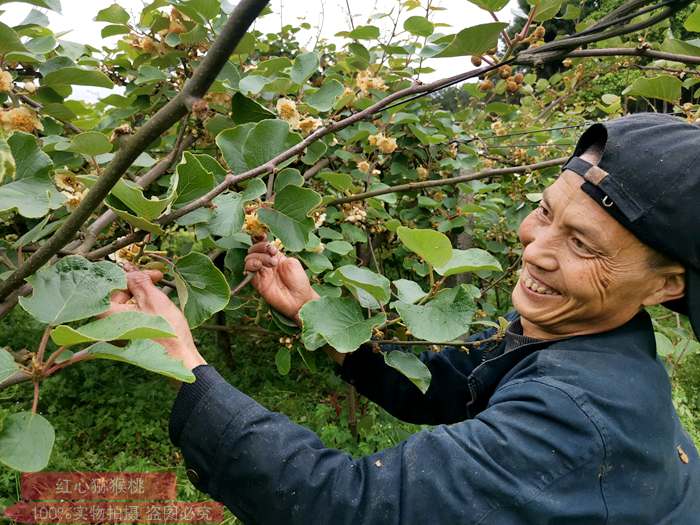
(633, 51)
(238, 23)
(450, 181)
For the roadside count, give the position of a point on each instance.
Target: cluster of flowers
(69, 185)
(366, 81)
(287, 110)
(383, 143)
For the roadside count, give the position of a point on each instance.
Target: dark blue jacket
(575, 431)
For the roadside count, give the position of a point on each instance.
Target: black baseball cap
(648, 179)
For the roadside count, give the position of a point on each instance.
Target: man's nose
(541, 251)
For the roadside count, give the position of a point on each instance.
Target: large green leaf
(474, 40)
(231, 142)
(131, 195)
(304, 66)
(411, 367)
(227, 216)
(26, 441)
(289, 219)
(72, 289)
(546, 9)
(7, 162)
(245, 110)
(441, 320)
(692, 23)
(54, 5)
(681, 47)
(8, 366)
(337, 322)
(432, 246)
(76, 76)
(283, 361)
(206, 290)
(408, 291)
(662, 87)
(9, 41)
(266, 140)
(324, 98)
(490, 5)
(194, 180)
(419, 25)
(145, 354)
(376, 285)
(118, 326)
(91, 143)
(114, 14)
(32, 193)
(471, 260)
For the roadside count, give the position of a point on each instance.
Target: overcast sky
(330, 15)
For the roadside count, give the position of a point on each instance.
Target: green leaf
(441, 320)
(337, 322)
(193, 180)
(546, 9)
(411, 367)
(207, 291)
(32, 193)
(91, 143)
(662, 87)
(474, 40)
(227, 216)
(471, 260)
(253, 189)
(432, 246)
(362, 33)
(287, 177)
(8, 365)
(408, 291)
(289, 220)
(339, 247)
(231, 142)
(72, 289)
(419, 25)
(340, 181)
(692, 23)
(245, 110)
(118, 326)
(681, 47)
(253, 84)
(145, 354)
(490, 5)
(9, 41)
(324, 98)
(54, 5)
(76, 76)
(114, 14)
(283, 361)
(304, 66)
(7, 161)
(266, 140)
(26, 441)
(376, 285)
(664, 346)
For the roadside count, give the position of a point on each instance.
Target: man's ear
(671, 285)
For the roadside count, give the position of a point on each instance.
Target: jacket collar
(637, 334)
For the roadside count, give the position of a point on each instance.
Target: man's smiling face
(582, 271)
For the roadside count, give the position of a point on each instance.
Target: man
(568, 420)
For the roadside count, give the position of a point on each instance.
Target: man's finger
(264, 259)
(120, 297)
(141, 285)
(259, 247)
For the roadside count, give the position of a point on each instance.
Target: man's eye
(544, 211)
(580, 245)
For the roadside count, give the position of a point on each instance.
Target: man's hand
(280, 280)
(143, 296)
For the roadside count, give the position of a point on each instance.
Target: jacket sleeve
(531, 457)
(446, 399)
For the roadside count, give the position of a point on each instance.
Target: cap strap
(585, 169)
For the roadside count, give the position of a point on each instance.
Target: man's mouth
(536, 286)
